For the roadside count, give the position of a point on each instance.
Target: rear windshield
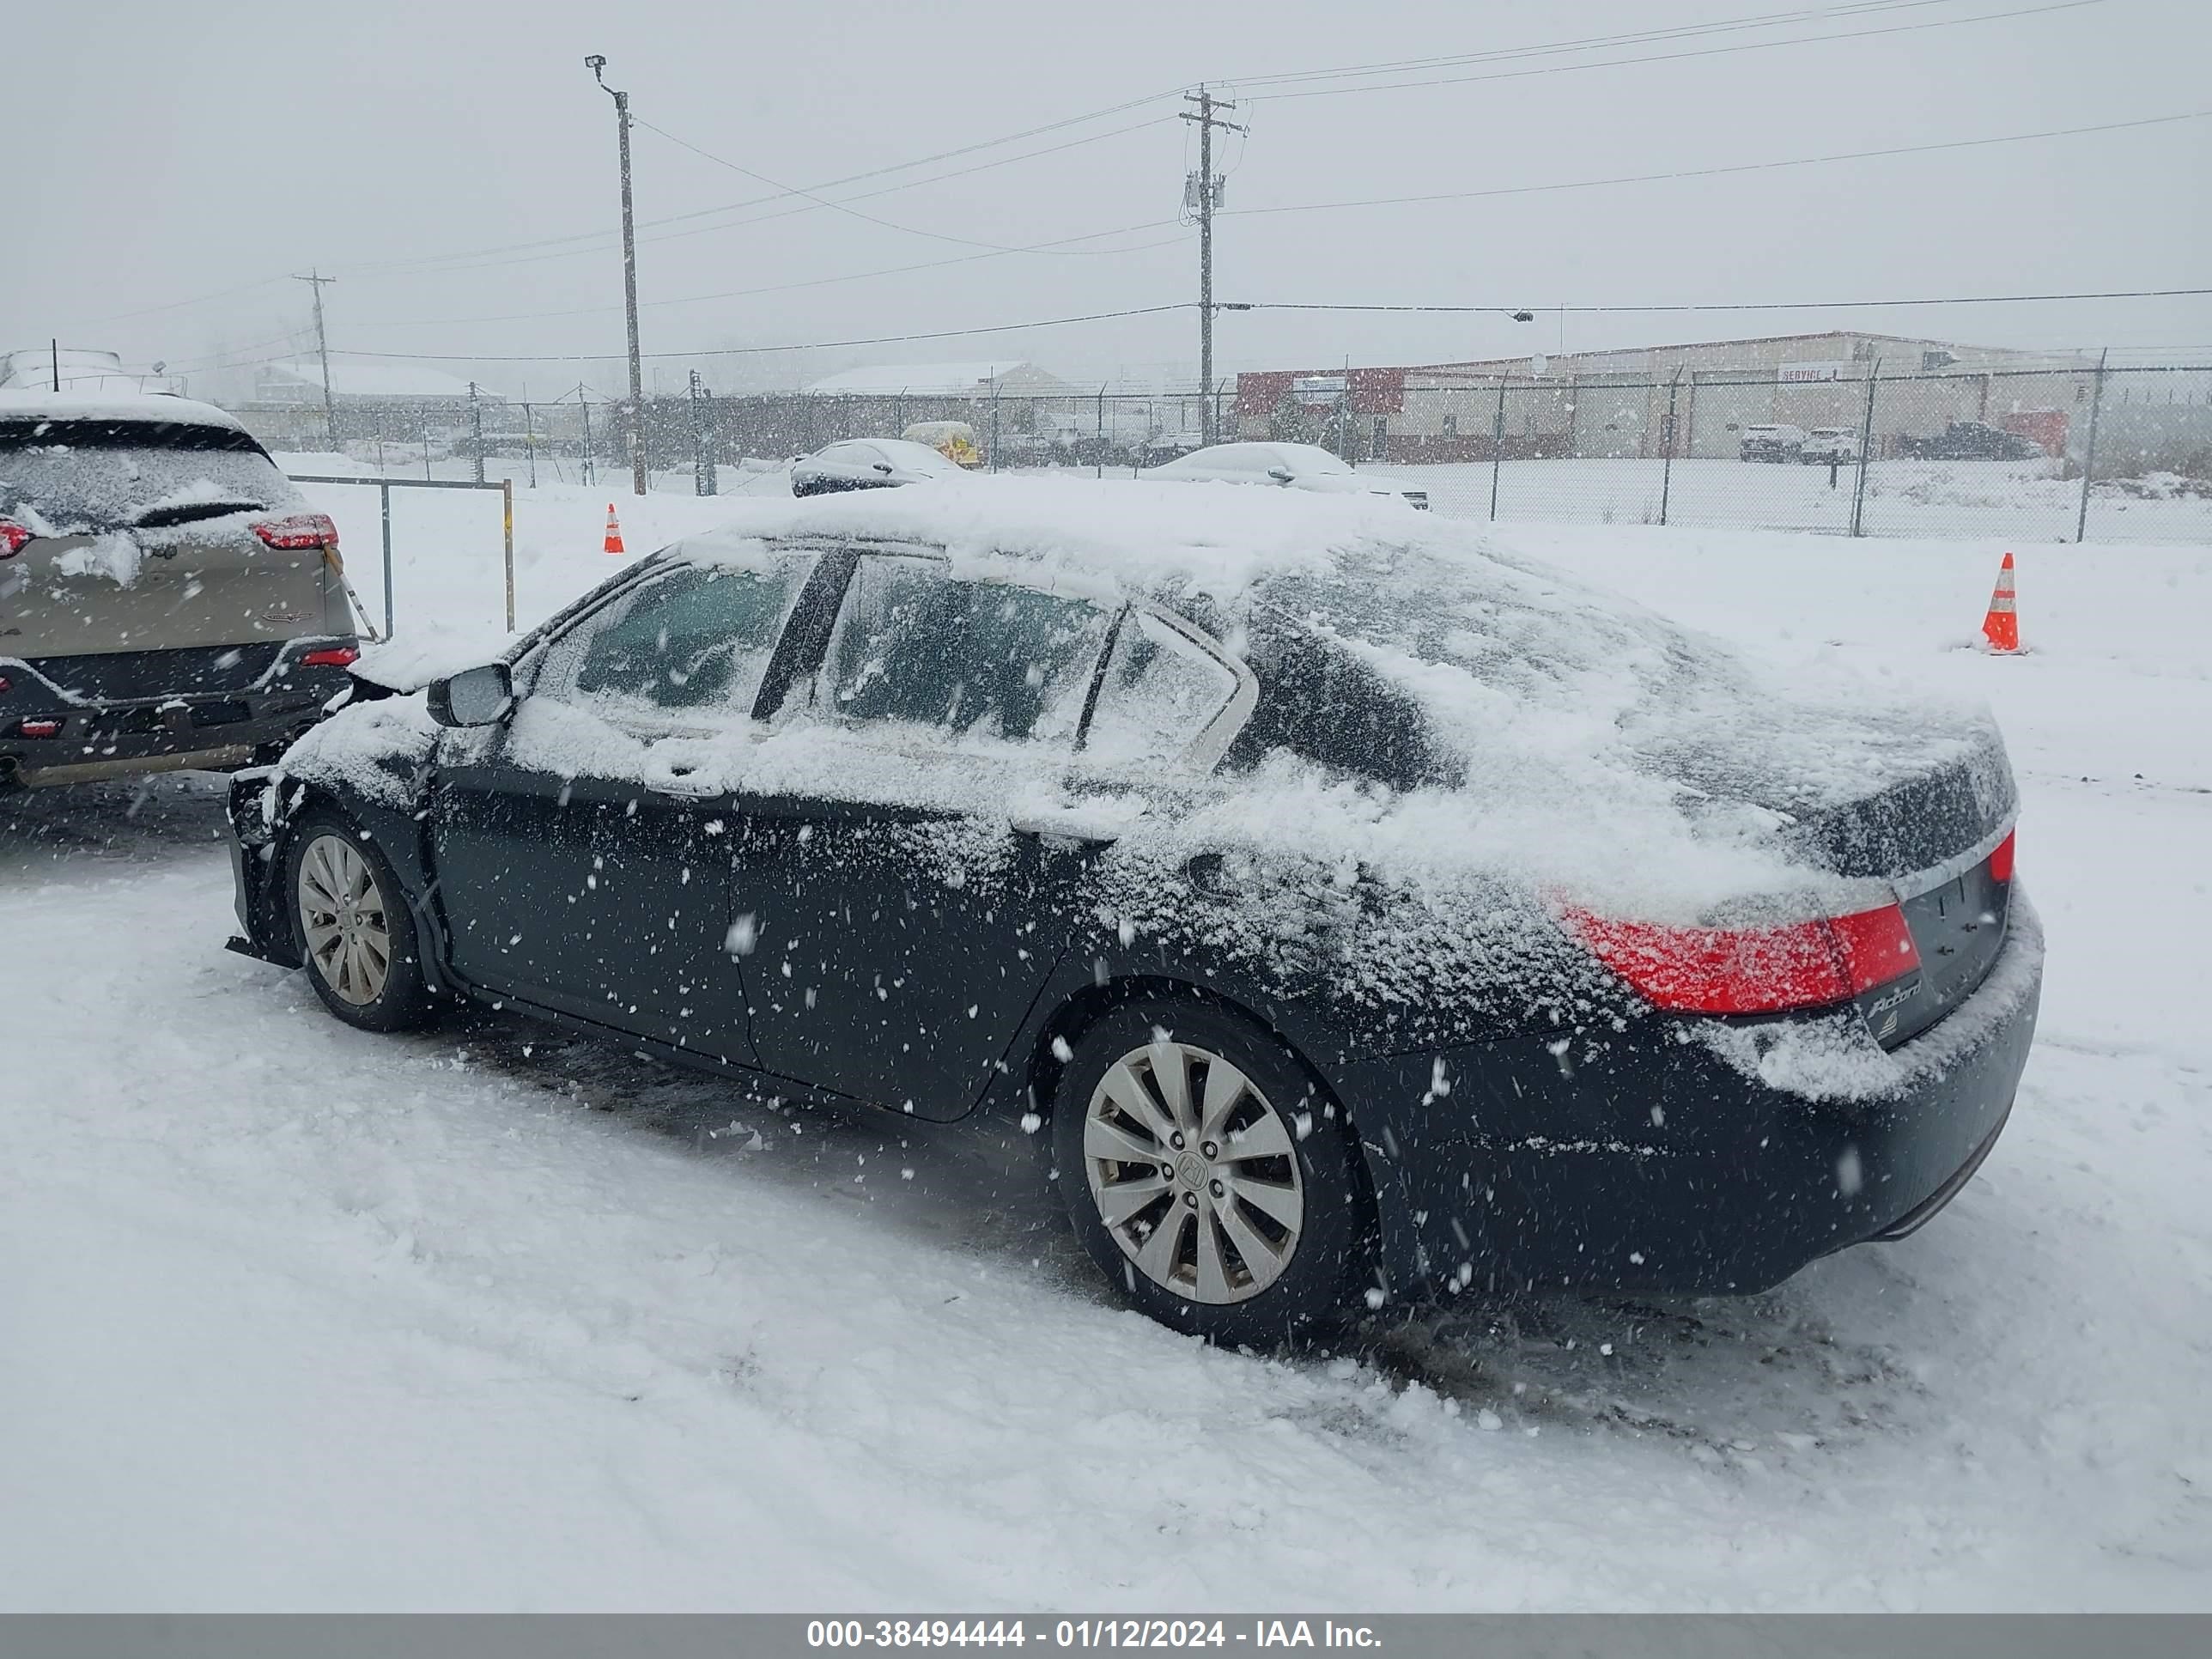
(67, 475)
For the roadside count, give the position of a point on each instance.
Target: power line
(409, 266)
(1729, 167)
(840, 207)
(1594, 43)
(745, 351)
(178, 305)
(1322, 207)
(785, 288)
(1757, 305)
(1703, 52)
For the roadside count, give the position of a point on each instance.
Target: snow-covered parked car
(1772, 443)
(1830, 445)
(1286, 466)
(167, 598)
(1352, 908)
(868, 463)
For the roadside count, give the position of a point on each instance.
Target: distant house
(394, 402)
(976, 380)
(380, 383)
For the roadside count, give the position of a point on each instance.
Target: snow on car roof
(1147, 536)
(113, 406)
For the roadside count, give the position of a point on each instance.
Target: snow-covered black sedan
(1352, 908)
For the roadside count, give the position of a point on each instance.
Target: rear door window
(923, 657)
(1161, 691)
(692, 643)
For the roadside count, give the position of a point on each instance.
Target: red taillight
(2001, 860)
(14, 537)
(38, 728)
(331, 656)
(298, 529)
(1753, 970)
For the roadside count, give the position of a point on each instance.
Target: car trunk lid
(143, 539)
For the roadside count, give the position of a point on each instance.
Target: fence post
(475, 433)
(506, 533)
(995, 425)
(384, 488)
(1667, 447)
(1101, 457)
(2089, 449)
(1866, 450)
(530, 443)
(1497, 448)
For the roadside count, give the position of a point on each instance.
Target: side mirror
(883, 467)
(475, 697)
(1281, 474)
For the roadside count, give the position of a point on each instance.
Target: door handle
(692, 783)
(1072, 828)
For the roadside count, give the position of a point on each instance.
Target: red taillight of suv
(1753, 970)
(298, 529)
(331, 656)
(2001, 860)
(14, 537)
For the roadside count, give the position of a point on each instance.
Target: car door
(891, 902)
(584, 849)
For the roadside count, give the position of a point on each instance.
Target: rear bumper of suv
(1688, 1154)
(142, 720)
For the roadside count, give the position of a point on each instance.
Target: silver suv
(167, 598)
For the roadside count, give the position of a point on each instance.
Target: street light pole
(598, 64)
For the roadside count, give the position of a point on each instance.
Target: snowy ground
(2024, 499)
(296, 1317)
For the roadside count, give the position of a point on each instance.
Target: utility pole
(316, 279)
(1205, 197)
(475, 432)
(598, 64)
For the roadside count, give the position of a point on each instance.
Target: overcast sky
(169, 153)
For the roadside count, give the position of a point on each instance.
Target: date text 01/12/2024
(1085, 1633)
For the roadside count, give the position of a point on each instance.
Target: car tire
(1240, 1214)
(354, 931)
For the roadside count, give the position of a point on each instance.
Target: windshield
(64, 477)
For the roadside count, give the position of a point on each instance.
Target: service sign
(1815, 371)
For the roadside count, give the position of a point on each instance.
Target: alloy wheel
(1194, 1172)
(343, 920)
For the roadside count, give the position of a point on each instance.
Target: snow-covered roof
(81, 370)
(29, 405)
(376, 380)
(921, 380)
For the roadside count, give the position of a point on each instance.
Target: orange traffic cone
(2000, 627)
(614, 534)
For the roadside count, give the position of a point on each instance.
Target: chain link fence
(2040, 454)
(2075, 449)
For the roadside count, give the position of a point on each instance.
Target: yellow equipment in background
(954, 440)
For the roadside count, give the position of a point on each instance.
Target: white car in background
(1287, 466)
(1828, 445)
(868, 463)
